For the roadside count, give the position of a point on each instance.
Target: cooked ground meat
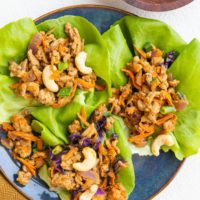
(24, 177)
(64, 181)
(46, 97)
(147, 98)
(109, 123)
(99, 112)
(75, 127)
(7, 143)
(20, 123)
(23, 148)
(44, 51)
(67, 162)
(20, 139)
(117, 192)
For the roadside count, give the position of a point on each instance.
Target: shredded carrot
(167, 96)
(30, 167)
(73, 90)
(132, 77)
(141, 52)
(85, 84)
(15, 86)
(100, 87)
(39, 143)
(158, 53)
(137, 67)
(14, 155)
(6, 126)
(112, 177)
(165, 118)
(114, 103)
(23, 135)
(147, 128)
(39, 162)
(158, 70)
(52, 170)
(70, 153)
(29, 137)
(154, 74)
(83, 120)
(83, 113)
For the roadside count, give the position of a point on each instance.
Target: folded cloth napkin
(7, 191)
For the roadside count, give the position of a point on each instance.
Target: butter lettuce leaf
(119, 54)
(95, 46)
(45, 134)
(139, 30)
(10, 104)
(45, 176)
(127, 175)
(56, 120)
(186, 68)
(14, 40)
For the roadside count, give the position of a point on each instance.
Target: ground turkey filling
(148, 102)
(50, 74)
(88, 167)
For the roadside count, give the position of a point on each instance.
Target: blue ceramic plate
(152, 174)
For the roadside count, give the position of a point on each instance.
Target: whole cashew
(47, 80)
(88, 194)
(80, 63)
(160, 141)
(89, 162)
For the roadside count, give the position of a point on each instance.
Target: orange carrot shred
(70, 153)
(6, 126)
(52, 170)
(141, 52)
(39, 143)
(83, 120)
(85, 84)
(131, 75)
(30, 167)
(73, 90)
(83, 113)
(26, 136)
(100, 87)
(165, 118)
(113, 105)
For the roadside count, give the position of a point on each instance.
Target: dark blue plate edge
(38, 20)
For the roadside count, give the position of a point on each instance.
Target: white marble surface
(186, 21)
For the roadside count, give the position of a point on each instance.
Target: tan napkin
(7, 191)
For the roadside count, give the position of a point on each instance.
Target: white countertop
(186, 21)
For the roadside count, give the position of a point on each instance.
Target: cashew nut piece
(80, 63)
(89, 162)
(47, 80)
(88, 194)
(160, 141)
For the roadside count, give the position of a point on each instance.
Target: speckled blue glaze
(152, 174)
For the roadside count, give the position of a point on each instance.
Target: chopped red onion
(35, 42)
(170, 58)
(100, 192)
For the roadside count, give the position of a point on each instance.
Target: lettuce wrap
(129, 184)
(137, 31)
(15, 38)
(186, 68)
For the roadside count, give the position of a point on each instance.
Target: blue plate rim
(171, 178)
